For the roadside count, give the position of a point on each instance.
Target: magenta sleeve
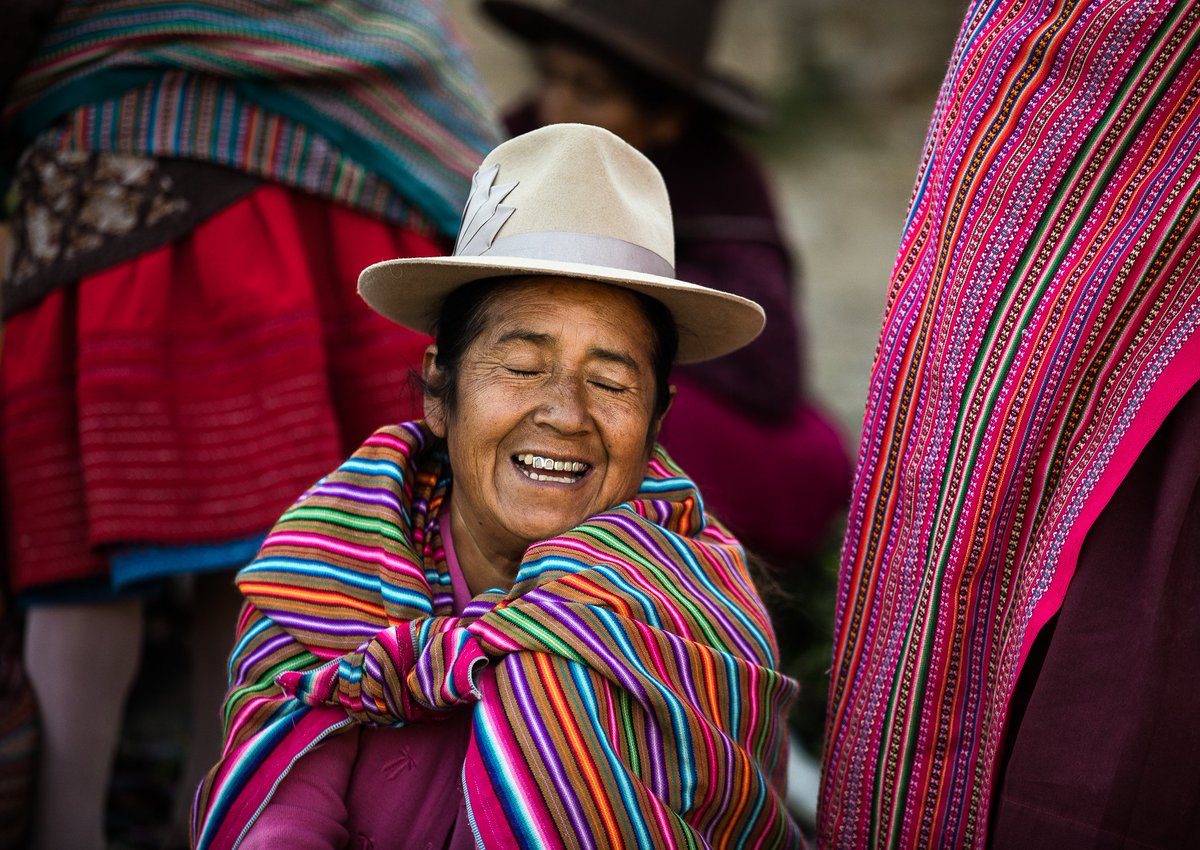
(308, 809)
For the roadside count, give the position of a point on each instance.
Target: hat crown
(667, 39)
(570, 192)
(681, 28)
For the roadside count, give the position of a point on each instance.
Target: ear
(656, 428)
(435, 408)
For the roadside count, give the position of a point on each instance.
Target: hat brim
(722, 93)
(711, 323)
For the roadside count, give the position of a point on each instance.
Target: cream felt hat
(567, 200)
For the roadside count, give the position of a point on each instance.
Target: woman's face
(579, 87)
(553, 420)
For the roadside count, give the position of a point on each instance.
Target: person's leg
(215, 606)
(81, 660)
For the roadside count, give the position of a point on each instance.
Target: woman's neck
(482, 567)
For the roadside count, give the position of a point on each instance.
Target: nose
(565, 406)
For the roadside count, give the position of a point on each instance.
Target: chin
(537, 531)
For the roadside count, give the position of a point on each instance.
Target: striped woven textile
(373, 103)
(624, 691)
(1041, 323)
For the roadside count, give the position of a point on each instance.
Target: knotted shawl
(624, 691)
(1041, 323)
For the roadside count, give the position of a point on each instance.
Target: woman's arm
(308, 809)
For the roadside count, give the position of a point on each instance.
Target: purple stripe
(320, 625)
(425, 671)
(373, 671)
(362, 495)
(682, 662)
(260, 652)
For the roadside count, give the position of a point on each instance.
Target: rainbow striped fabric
(373, 103)
(1042, 322)
(624, 691)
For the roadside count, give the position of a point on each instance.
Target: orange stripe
(583, 755)
(322, 597)
(710, 683)
(580, 583)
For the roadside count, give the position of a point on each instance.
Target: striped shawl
(624, 690)
(373, 103)
(1041, 324)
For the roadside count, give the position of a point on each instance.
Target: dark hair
(464, 313)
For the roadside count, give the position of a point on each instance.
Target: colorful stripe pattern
(373, 103)
(1041, 323)
(624, 690)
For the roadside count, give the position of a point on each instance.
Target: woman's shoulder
(410, 444)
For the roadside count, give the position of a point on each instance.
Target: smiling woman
(553, 420)
(512, 624)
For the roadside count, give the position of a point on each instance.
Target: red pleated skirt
(189, 395)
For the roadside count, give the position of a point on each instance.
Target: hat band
(586, 248)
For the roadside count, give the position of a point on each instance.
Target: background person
(198, 185)
(515, 616)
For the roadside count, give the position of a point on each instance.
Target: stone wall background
(854, 83)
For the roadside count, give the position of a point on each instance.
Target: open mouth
(541, 468)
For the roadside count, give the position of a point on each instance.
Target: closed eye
(612, 388)
(522, 372)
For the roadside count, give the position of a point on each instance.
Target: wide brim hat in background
(575, 201)
(668, 39)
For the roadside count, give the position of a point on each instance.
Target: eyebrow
(546, 340)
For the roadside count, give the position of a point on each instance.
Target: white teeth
(556, 478)
(558, 466)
